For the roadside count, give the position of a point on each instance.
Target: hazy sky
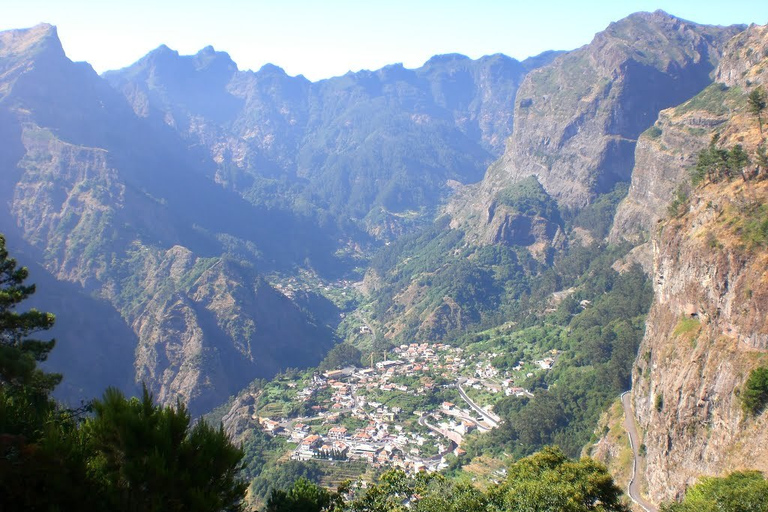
(324, 38)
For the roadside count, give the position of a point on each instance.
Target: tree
(550, 482)
(302, 496)
(761, 159)
(340, 356)
(756, 104)
(42, 458)
(737, 161)
(754, 397)
(148, 458)
(19, 354)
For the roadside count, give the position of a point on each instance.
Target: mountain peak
(447, 57)
(271, 69)
(42, 38)
(208, 57)
(163, 50)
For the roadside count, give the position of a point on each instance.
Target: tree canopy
(545, 482)
(742, 491)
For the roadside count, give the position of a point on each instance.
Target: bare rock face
(708, 325)
(578, 119)
(706, 331)
(667, 151)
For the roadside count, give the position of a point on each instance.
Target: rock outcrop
(667, 151)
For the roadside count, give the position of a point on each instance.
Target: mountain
(123, 211)
(706, 331)
(577, 120)
(566, 166)
(161, 194)
(374, 150)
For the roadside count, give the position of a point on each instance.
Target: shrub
(754, 397)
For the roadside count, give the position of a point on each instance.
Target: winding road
(633, 489)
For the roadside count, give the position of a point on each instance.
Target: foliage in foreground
(742, 491)
(545, 482)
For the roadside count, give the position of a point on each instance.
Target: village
(409, 411)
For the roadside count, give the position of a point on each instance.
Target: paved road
(634, 441)
(489, 418)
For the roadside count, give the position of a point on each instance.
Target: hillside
(146, 231)
(566, 166)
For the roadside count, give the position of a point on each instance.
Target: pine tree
(19, 354)
(756, 104)
(150, 458)
(42, 461)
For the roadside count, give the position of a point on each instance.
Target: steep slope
(707, 327)
(124, 210)
(577, 120)
(377, 148)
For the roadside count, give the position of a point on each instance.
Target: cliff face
(690, 369)
(708, 325)
(578, 119)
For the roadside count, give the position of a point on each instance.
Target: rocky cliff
(707, 326)
(578, 119)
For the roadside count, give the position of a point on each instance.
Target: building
(337, 432)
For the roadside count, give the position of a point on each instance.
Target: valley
(398, 413)
(422, 279)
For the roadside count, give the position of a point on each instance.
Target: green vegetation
(598, 347)
(756, 105)
(529, 198)
(20, 378)
(715, 164)
(686, 325)
(341, 356)
(653, 132)
(717, 98)
(742, 491)
(128, 455)
(751, 223)
(597, 217)
(679, 204)
(754, 396)
(303, 496)
(545, 482)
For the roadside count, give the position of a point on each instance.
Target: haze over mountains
(196, 227)
(203, 176)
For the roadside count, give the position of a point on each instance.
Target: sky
(324, 38)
